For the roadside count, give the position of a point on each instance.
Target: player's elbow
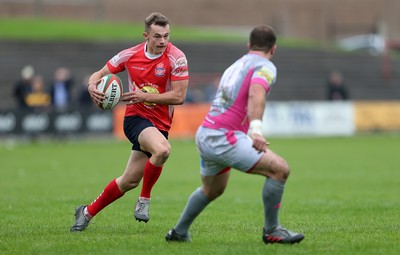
(179, 99)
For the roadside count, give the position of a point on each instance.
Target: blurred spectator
(60, 88)
(84, 99)
(202, 93)
(211, 89)
(24, 86)
(336, 89)
(194, 95)
(38, 99)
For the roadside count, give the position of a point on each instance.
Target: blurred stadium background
(359, 38)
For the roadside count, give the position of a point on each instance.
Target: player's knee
(284, 170)
(280, 170)
(162, 153)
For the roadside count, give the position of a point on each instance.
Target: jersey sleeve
(265, 76)
(179, 65)
(117, 63)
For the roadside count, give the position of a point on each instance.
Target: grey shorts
(222, 150)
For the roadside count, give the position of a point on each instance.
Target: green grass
(54, 29)
(38, 29)
(343, 193)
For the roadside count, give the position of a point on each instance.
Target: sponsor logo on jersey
(160, 70)
(138, 68)
(150, 88)
(267, 74)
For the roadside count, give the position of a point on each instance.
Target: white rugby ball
(110, 85)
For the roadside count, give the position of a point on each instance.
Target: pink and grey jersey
(152, 74)
(229, 107)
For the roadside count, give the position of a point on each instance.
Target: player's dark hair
(156, 19)
(262, 38)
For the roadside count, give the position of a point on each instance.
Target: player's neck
(149, 53)
(261, 54)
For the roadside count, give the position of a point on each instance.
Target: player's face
(157, 39)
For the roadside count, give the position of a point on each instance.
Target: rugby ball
(110, 85)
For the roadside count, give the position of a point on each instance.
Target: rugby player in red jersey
(158, 79)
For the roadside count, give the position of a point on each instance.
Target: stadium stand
(302, 73)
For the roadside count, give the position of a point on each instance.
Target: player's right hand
(259, 142)
(96, 95)
(136, 95)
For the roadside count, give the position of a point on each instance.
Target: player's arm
(94, 79)
(255, 111)
(175, 96)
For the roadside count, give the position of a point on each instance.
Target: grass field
(343, 194)
(56, 29)
(35, 29)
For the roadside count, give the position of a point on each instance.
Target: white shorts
(220, 150)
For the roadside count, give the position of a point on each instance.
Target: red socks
(110, 194)
(111, 191)
(150, 176)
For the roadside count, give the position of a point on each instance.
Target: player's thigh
(153, 141)
(221, 149)
(272, 165)
(242, 155)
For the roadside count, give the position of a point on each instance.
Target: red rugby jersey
(153, 76)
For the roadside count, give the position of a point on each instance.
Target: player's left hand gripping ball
(111, 86)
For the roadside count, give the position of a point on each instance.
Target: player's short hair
(156, 19)
(262, 38)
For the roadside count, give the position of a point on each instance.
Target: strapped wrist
(255, 127)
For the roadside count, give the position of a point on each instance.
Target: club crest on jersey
(159, 70)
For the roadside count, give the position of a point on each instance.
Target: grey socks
(272, 195)
(195, 204)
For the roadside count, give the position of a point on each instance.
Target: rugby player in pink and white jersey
(223, 140)
(158, 79)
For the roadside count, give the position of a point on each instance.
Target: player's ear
(273, 49)
(248, 45)
(145, 35)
